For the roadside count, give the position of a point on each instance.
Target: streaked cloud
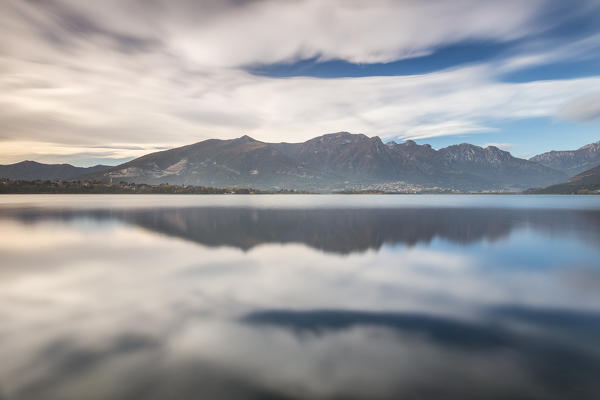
(582, 109)
(232, 33)
(135, 75)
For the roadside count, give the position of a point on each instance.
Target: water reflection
(337, 230)
(542, 353)
(254, 303)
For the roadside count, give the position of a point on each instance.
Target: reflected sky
(393, 300)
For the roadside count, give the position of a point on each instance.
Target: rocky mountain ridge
(572, 162)
(332, 162)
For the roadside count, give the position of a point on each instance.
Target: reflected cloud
(254, 303)
(541, 352)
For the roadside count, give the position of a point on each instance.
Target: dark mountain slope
(355, 157)
(330, 162)
(589, 177)
(31, 170)
(586, 182)
(572, 162)
(495, 166)
(236, 162)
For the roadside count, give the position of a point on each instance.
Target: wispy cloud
(233, 33)
(582, 109)
(135, 75)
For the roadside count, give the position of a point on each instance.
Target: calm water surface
(293, 297)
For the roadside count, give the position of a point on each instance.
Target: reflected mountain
(118, 303)
(337, 230)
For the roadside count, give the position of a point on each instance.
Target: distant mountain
(572, 162)
(493, 167)
(31, 170)
(353, 157)
(586, 182)
(241, 162)
(331, 162)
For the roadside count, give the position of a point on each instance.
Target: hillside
(333, 162)
(571, 162)
(586, 182)
(31, 170)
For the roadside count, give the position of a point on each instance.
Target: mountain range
(572, 162)
(331, 162)
(31, 170)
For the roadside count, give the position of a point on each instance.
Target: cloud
(190, 304)
(444, 128)
(262, 32)
(359, 32)
(543, 53)
(582, 109)
(89, 74)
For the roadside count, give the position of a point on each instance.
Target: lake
(299, 297)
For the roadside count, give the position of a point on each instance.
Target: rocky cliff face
(494, 165)
(331, 162)
(353, 157)
(572, 162)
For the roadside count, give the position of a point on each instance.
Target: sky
(89, 82)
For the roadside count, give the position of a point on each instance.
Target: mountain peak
(246, 138)
(475, 154)
(341, 138)
(571, 161)
(377, 140)
(592, 146)
(28, 162)
(494, 149)
(462, 147)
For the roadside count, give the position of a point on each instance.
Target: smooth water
(251, 297)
